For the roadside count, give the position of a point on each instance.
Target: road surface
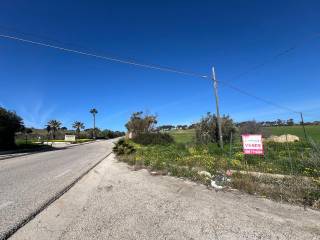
(28, 182)
(115, 202)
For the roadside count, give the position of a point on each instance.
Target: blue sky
(42, 84)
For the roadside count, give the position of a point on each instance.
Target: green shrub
(10, 123)
(123, 147)
(153, 139)
(207, 129)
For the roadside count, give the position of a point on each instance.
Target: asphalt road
(27, 182)
(114, 202)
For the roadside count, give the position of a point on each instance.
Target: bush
(140, 123)
(109, 134)
(253, 127)
(207, 129)
(153, 139)
(123, 147)
(10, 123)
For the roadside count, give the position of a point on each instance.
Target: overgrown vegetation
(292, 189)
(207, 129)
(301, 186)
(141, 123)
(153, 138)
(141, 127)
(252, 127)
(122, 147)
(287, 172)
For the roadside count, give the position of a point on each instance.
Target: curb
(24, 221)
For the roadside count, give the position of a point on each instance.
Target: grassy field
(313, 131)
(183, 136)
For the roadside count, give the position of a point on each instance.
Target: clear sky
(42, 84)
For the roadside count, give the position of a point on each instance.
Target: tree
(207, 129)
(90, 133)
(279, 122)
(26, 132)
(253, 127)
(48, 128)
(78, 126)
(250, 127)
(192, 126)
(290, 122)
(140, 123)
(165, 128)
(10, 123)
(53, 126)
(94, 111)
(112, 134)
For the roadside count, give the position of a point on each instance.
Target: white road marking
(63, 173)
(5, 204)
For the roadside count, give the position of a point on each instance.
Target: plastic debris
(214, 185)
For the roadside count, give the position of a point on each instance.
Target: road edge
(40, 151)
(59, 194)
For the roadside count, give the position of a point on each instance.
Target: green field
(313, 131)
(183, 136)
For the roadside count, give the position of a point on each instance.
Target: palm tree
(54, 126)
(94, 111)
(78, 126)
(48, 128)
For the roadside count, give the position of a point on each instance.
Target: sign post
(70, 138)
(252, 144)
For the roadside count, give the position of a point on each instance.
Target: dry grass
(298, 190)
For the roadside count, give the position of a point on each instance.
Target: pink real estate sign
(252, 144)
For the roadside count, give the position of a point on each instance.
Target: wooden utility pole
(304, 129)
(215, 85)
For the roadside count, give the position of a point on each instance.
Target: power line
(278, 55)
(165, 69)
(113, 59)
(258, 98)
(260, 65)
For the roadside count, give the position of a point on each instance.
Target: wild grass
(299, 182)
(183, 136)
(291, 189)
(313, 131)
